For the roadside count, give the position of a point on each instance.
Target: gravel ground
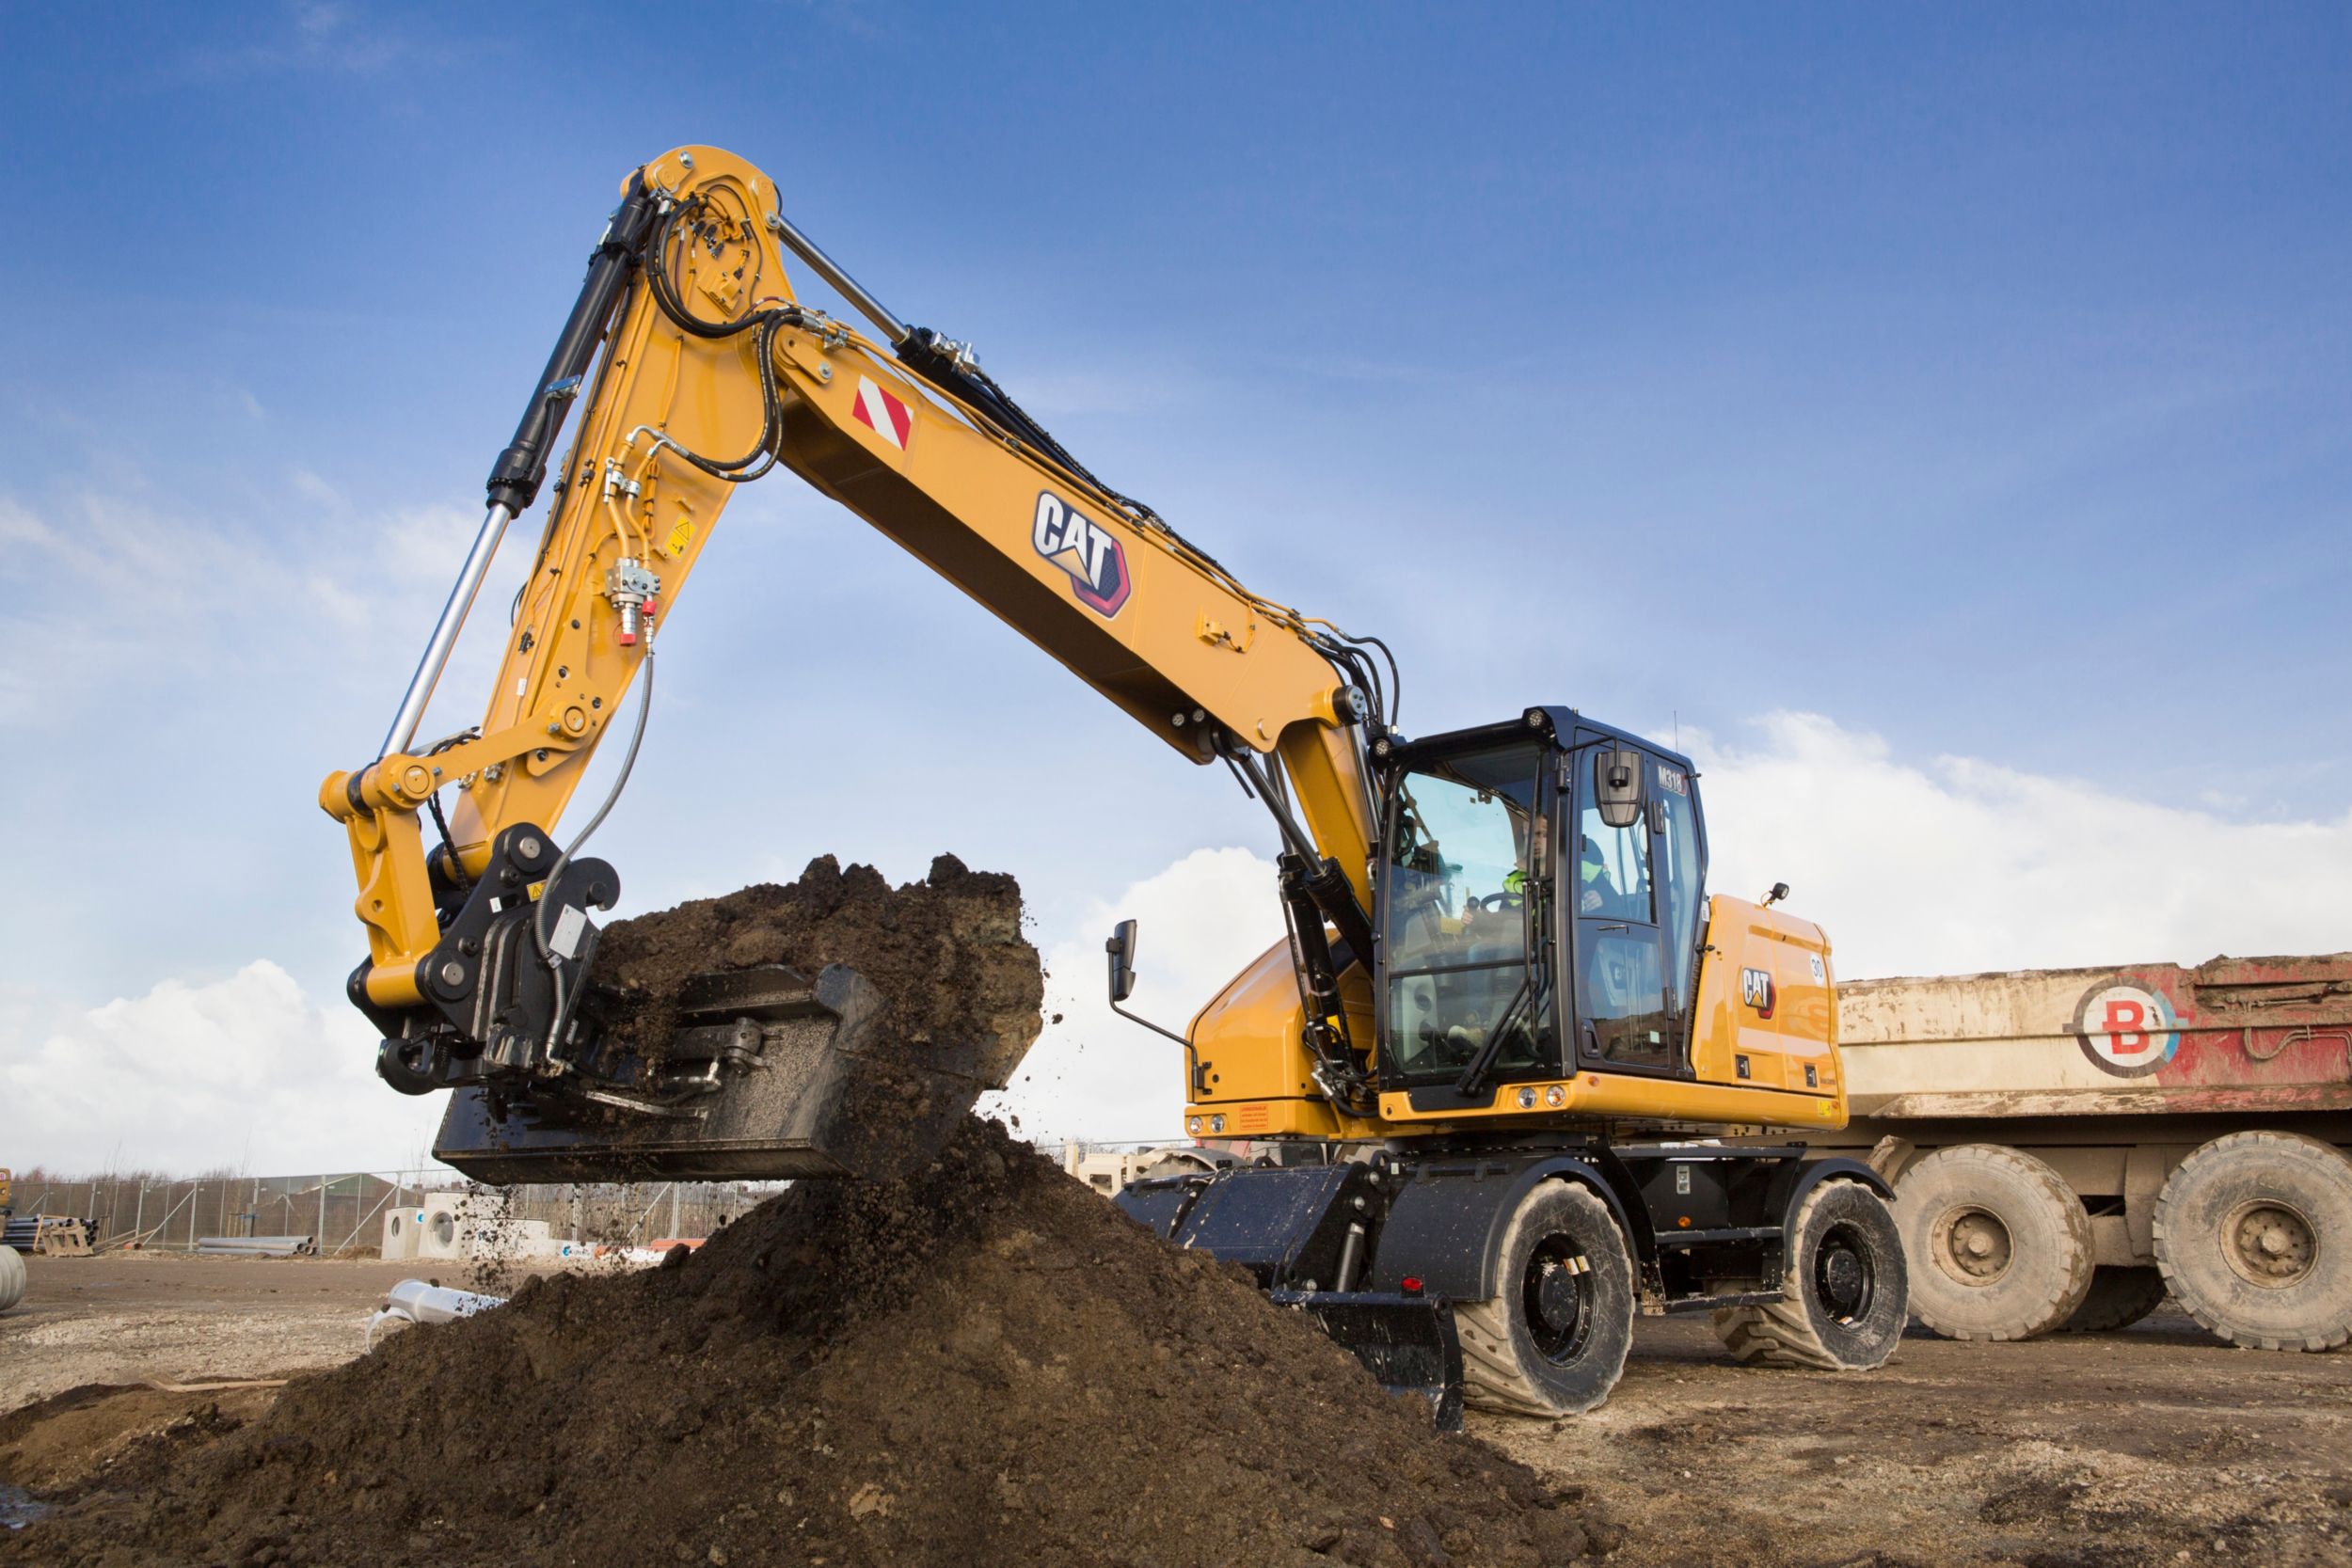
(2151, 1447)
(132, 1317)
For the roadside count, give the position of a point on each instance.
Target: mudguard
(1802, 1176)
(1445, 1223)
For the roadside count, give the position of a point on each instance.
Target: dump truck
(2068, 1145)
(1504, 970)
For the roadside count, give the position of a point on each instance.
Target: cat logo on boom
(1755, 990)
(1096, 562)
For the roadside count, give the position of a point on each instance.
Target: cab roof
(1553, 723)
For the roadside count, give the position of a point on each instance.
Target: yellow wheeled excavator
(1495, 1059)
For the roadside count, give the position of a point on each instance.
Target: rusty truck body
(2068, 1146)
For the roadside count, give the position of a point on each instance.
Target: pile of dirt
(981, 1363)
(946, 954)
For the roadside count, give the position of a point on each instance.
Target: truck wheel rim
(1973, 1245)
(1553, 1295)
(2269, 1244)
(1843, 1280)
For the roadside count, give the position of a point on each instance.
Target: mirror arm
(1138, 1018)
(1192, 1060)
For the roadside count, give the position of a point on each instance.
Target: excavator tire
(1553, 1340)
(2120, 1296)
(2000, 1245)
(1848, 1288)
(2254, 1235)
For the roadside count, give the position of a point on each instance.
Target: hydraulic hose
(539, 917)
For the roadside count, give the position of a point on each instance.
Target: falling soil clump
(981, 1363)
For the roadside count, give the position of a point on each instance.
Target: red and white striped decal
(884, 415)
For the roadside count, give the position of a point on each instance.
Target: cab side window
(1683, 871)
(1626, 1015)
(1613, 880)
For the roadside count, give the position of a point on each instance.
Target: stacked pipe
(257, 1246)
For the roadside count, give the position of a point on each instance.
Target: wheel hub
(1556, 1298)
(1841, 1277)
(1974, 1246)
(1552, 1296)
(2269, 1244)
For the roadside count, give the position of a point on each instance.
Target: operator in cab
(1597, 891)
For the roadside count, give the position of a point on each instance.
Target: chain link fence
(344, 1213)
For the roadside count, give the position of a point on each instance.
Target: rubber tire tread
(1494, 1375)
(2119, 1295)
(11, 1277)
(2057, 1283)
(1786, 1333)
(2203, 1281)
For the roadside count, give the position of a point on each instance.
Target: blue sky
(1976, 383)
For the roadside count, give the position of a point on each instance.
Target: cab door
(1630, 914)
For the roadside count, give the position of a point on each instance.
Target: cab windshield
(1459, 878)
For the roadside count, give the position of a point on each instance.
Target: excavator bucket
(769, 1074)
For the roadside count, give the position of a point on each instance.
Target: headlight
(1192, 1125)
(1527, 1099)
(1216, 1124)
(1555, 1097)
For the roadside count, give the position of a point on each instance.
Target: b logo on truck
(2125, 1029)
(1086, 549)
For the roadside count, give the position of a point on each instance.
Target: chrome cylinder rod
(445, 630)
(843, 284)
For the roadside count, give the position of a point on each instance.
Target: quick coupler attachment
(770, 1073)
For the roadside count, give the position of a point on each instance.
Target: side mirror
(1122, 947)
(1618, 786)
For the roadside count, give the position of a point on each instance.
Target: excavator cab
(1539, 904)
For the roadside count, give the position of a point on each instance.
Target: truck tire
(2120, 1296)
(1553, 1341)
(1999, 1245)
(1848, 1288)
(11, 1277)
(2254, 1236)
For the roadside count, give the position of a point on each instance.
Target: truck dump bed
(2232, 1035)
(2068, 1145)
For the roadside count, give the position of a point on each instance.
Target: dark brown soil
(985, 1363)
(946, 952)
(945, 1003)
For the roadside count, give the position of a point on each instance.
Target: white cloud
(114, 590)
(246, 1072)
(1958, 864)
(1094, 1074)
(322, 35)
